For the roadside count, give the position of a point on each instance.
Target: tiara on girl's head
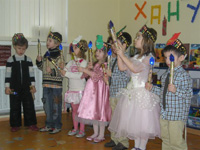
(54, 36)
(174, 41)
(16, 37)
(78, 43)
(150, 35)
(80, 46)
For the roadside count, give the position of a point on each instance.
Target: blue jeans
(52, 100)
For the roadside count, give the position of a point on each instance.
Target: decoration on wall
(5, 53)
(152, 13)
(170, 12)
(164, 26)
(158, 49)
(195, 54)
(173, 13)
(195, 10)
(140, 10)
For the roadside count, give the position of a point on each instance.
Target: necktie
(165, 90)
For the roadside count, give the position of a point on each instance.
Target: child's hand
(120, 50)
(172, 88)
(63, 72)
(148, 86)
(32, 89)
(39, 58)
(48, 69)
(7, 91)
(108, 72)
(81, 69)
(90, 65)
(62, 65)
(105, 79)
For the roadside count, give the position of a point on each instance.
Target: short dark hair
(125, 37)
(170, 48)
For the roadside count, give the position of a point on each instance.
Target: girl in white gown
(137, 113)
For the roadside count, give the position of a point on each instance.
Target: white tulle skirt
(136, 115)
(73, 96)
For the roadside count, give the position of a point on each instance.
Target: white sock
(137, 143)
(143, 144)
(96, 131)
(101, 132)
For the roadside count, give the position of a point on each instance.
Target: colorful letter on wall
(195, 10)
(173, 13)
(152, 13)
(164, 26)
(140, 10)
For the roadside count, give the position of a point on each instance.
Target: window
(33, 18)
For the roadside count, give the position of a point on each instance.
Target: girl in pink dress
(76, 85)
(94, 107)
(137, 112)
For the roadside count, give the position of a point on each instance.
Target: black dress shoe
(119, 146)
(110, 144)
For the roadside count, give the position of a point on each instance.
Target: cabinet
(193, 122)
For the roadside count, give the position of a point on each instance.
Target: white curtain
(33, 18)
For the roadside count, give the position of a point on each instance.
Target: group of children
(119, 95)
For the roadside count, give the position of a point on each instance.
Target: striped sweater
(54, 79)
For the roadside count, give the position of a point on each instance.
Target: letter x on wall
(140, 10)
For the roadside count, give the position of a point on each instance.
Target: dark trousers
(16, 101)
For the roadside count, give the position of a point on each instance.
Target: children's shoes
(33, 128)
(134, 148)
(14, 129)
(54, 131)
(98, 140)
(46, 129)
(90, 138)
(80, 134)
(73, 132)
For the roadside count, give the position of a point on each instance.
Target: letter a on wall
(173, 13)
(152, 13)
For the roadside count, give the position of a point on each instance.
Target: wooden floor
(25, 139)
